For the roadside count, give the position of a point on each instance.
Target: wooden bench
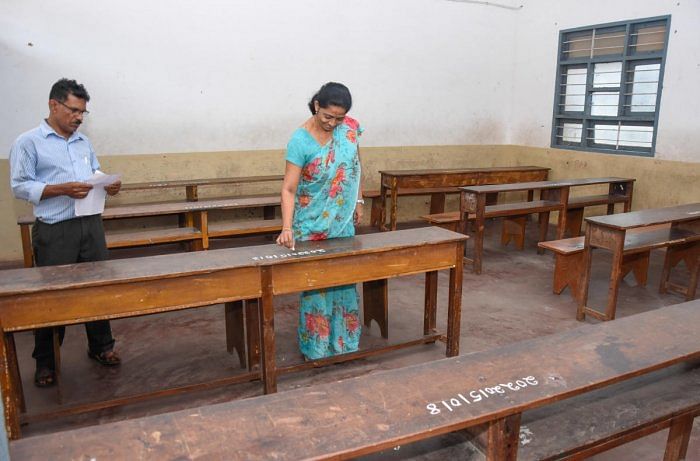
(392, 182)
(437, 200)
(514, 229)
(554, 196)
(569, 257)
(610, 233)
(191, 185)
(195, 228)
(43, 297)
(550, 391)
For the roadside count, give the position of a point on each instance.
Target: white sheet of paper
(94, 202)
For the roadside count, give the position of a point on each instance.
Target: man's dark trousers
(76, 240)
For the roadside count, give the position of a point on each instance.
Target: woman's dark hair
(332, 94)
(62, 88)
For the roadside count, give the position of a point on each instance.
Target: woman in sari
(322, 199)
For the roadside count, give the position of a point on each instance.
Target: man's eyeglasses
(73, 110)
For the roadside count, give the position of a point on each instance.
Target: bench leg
(376, 213)
(8, 385)
(574, 219)
(235, 330)
(57, 364)
(615, 278)
(678, 438)
(454, 303)
(375, 305)
(568, 271)
(437, 203)
(430, 313)
(638, 264)
(27, 250)
(503, 436)
(13, 364)
(252, 331)
(690, 254)
(544, 227)
(514, 229)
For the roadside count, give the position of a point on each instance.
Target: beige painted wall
(659, 182)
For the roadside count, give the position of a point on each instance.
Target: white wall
(536, 39)
(182, 76)
(178, 75)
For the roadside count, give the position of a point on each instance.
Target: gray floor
(511, 301)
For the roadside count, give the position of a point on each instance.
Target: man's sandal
(106, 358)
(44, 377)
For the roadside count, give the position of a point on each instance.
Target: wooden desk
(554, 196)
(191, 185)
(196, 216)
(382, 410)
(64, 295)
(394, 180)
(608, 232)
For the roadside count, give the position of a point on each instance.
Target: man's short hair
(62, 88)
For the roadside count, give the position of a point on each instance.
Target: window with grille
(608, 86)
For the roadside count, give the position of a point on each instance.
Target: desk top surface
(199, 182)
(448, 171)
(650, 217)
(388, 408)
(518, 186)
(36, 279)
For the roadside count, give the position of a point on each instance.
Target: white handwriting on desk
(483, 393)
(289, 255)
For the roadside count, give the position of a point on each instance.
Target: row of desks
(392, 181)
(63, 295)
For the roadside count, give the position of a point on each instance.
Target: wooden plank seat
(591, 423)
(151, 237)
(569, 257)
(514, 214)
(234, 229)
(518, 387)
(437, 199)
(576, 206)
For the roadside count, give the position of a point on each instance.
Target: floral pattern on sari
(329, 321)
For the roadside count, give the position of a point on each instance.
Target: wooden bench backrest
(379, 411)
(494, 169)
(149, 185)
(164, 208)
(515, 187)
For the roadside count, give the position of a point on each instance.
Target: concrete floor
(511, 301)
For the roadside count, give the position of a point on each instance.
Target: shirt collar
(46, 130)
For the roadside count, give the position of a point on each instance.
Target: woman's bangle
(286, 229)
(361, 201)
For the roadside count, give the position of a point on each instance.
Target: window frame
(627, 60)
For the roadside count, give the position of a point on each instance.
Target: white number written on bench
(478, 395)
(289, 255)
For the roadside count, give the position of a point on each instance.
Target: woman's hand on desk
(286, 238)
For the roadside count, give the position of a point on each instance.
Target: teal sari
(324, 207)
